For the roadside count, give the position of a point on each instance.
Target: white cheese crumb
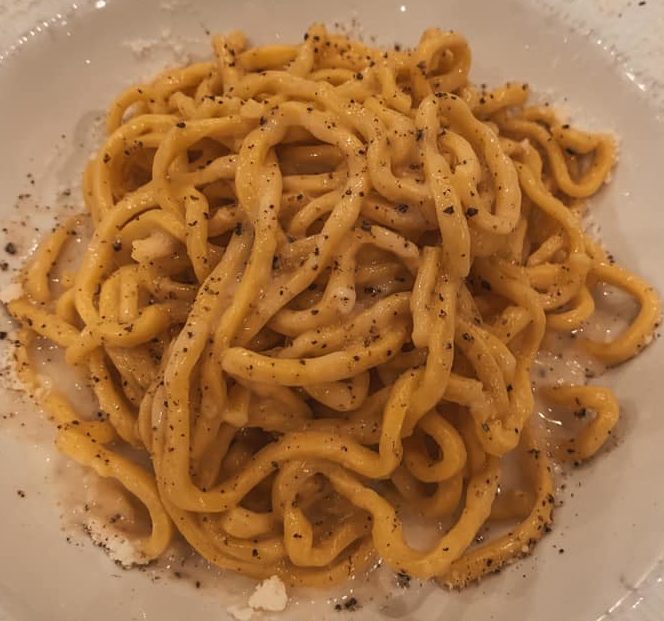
(167, 42)
(118, 547)
(345, 299)
(237, 417)
(241, 613)
(157, 245)
(9, 378)
(269, 595)
(141, 47)
(11, 292)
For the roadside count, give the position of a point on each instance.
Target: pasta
(318, 279)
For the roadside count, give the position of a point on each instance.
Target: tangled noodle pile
(318, 279)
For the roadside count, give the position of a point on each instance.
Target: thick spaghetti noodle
(318, 279)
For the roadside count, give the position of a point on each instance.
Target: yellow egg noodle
(318, 280)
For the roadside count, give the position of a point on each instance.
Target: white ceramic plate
(53, 86)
